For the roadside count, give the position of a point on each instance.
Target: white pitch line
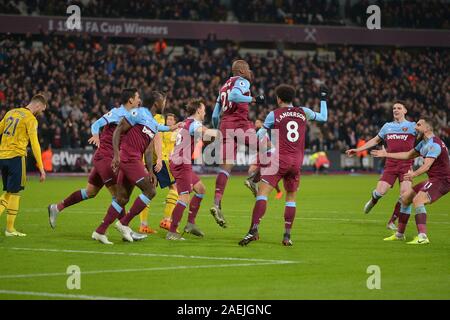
(59, 295)
(56, 274)
(151, 255)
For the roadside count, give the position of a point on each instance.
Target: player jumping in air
(17, 128)
(436, 165)
(101, 173)
(231, 110)
(290, 122)
(181, 168)
(399, 136)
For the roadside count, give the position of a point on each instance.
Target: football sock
(4, 198)
(74, 198)
(13, 209)
(143, 216)
(403, 218)
(113, 213)
(194, 206)
(396, 212)
(177, 214)
(171, 201)
(421, 219)
(258, 211)
(139, 204)
(221, 182)
(375, 196)
(289, 215)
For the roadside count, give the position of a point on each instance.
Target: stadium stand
(402, 14)
(83, 76)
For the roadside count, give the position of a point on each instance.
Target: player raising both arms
(231, 110)
(399, 136)
(436, 165)
(17, 128)
(101, 173)
(290, 122)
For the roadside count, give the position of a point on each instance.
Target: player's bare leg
(194, 205)
(381, 189)
(221, 182)
(258, 212)
(88, 193)
(405, 186)
(419, 201)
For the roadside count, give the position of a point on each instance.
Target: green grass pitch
(334, 244)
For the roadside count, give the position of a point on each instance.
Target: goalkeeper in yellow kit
(165, 178)
(17, 128)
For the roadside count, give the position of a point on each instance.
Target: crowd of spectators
(83, 77)
(398, 13)
(432, 14)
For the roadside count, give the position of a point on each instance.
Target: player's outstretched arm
(123, 127)
(322, 116)
(369, 144)
(382, 153)
(427, 163)
(237, 96)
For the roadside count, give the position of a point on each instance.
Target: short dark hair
(40, 98)
(171, 115)
(151, 99)
(193, 105)
(429, 121)
(127, 94)
(285, 93)
(402, 102)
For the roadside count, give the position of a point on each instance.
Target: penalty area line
(56, 274)
(138, 254)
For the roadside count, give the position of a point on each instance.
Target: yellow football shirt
(160, 119)
(168, 139)
(17, 128)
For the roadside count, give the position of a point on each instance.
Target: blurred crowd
(83, 77)
(398, 13)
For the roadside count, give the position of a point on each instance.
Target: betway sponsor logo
(148, 132)
(394, 136)
(69, 158)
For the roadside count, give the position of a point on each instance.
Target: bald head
(241, 68)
